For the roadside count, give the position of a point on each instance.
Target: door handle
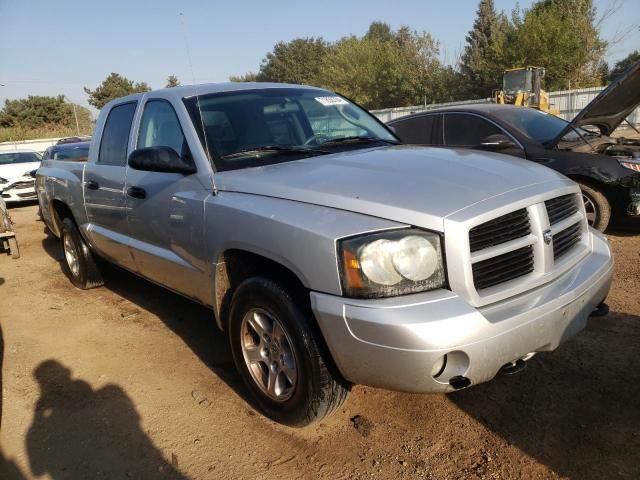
(137, 192)
(92, 185)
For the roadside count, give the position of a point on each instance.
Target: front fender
(299, 236)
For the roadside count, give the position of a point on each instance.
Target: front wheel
(80, 265)
(278, 357)
(597, 207)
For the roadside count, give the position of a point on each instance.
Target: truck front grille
(503, 268)
(561, 207)
(564, 240)
(514, 245)
(500, 230)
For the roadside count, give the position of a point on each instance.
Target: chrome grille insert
(565, 239)
(561, 207)
(500, 230)
(503, 268)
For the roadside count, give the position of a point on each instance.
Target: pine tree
(172, 81)
(481, 63)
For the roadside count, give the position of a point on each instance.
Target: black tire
(316, 392)
(601, 207)
(85, 274)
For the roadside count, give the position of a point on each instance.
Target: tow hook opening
(513, 367)
(459, 382)
(600, 311)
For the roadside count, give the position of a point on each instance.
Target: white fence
(38, 145)
(569, 102)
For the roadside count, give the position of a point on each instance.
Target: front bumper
(398, 343)
(22, 194)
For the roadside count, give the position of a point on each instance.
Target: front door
(104, 182)
(165, 211)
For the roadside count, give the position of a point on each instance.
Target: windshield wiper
(359, 139)
(280, 149)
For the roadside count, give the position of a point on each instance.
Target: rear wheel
(79, 262)
(277, 355)
(597, 207)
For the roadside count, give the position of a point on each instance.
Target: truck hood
(611, 106)
(413, 185)
(17, 170)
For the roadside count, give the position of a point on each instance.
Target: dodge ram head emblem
(547, 237)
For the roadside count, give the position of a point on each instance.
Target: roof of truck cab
(185, 91)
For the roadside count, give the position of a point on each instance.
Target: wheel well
(60, 211)
(235, 265)
(591, 183)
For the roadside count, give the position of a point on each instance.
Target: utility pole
(75, 114)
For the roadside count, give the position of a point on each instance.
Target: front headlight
(390, 263)
(630, 164)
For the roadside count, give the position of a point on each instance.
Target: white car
(16, 182)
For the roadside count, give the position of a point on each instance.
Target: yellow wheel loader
(523, 87)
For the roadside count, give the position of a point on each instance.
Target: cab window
(418, 130)
(462, 130)
(115, 135)
(160, 127)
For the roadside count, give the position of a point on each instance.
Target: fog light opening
(439, 366)
(451, 364)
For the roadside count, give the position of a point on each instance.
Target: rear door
(104, 181)
(165, 211)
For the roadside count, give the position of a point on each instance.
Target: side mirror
(497, 142)
(161, 159)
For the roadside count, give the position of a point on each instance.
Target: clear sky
(57, 47)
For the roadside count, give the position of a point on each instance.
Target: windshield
(259, 127)
(519, 81)
(18, 157)
(539, 126)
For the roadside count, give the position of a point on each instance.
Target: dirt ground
(131, 381)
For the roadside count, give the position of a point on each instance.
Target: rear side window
(115, 135)
(418, 130)
(72, 154)
(160, 127)
(462, 130)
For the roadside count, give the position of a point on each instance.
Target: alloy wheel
(268, 354)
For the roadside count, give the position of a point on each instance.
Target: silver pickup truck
(330, 254)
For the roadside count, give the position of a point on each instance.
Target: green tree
(172, 81)
(561, 36)
(482, 61)
(247, 77)
(114, 86)
(297, 61)
(379, 72)
(36, 112)
(622, 65)
(379, 31)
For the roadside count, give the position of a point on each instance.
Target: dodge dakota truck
(329, 254)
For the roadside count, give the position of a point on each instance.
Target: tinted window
(160, 127)
(466, 130)
(75, 153)
(416, 129)
(115, 135)
(539, 126)
(18, 157)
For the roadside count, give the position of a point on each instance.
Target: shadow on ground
(194, 323)
(576, 410)
(78, 432)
